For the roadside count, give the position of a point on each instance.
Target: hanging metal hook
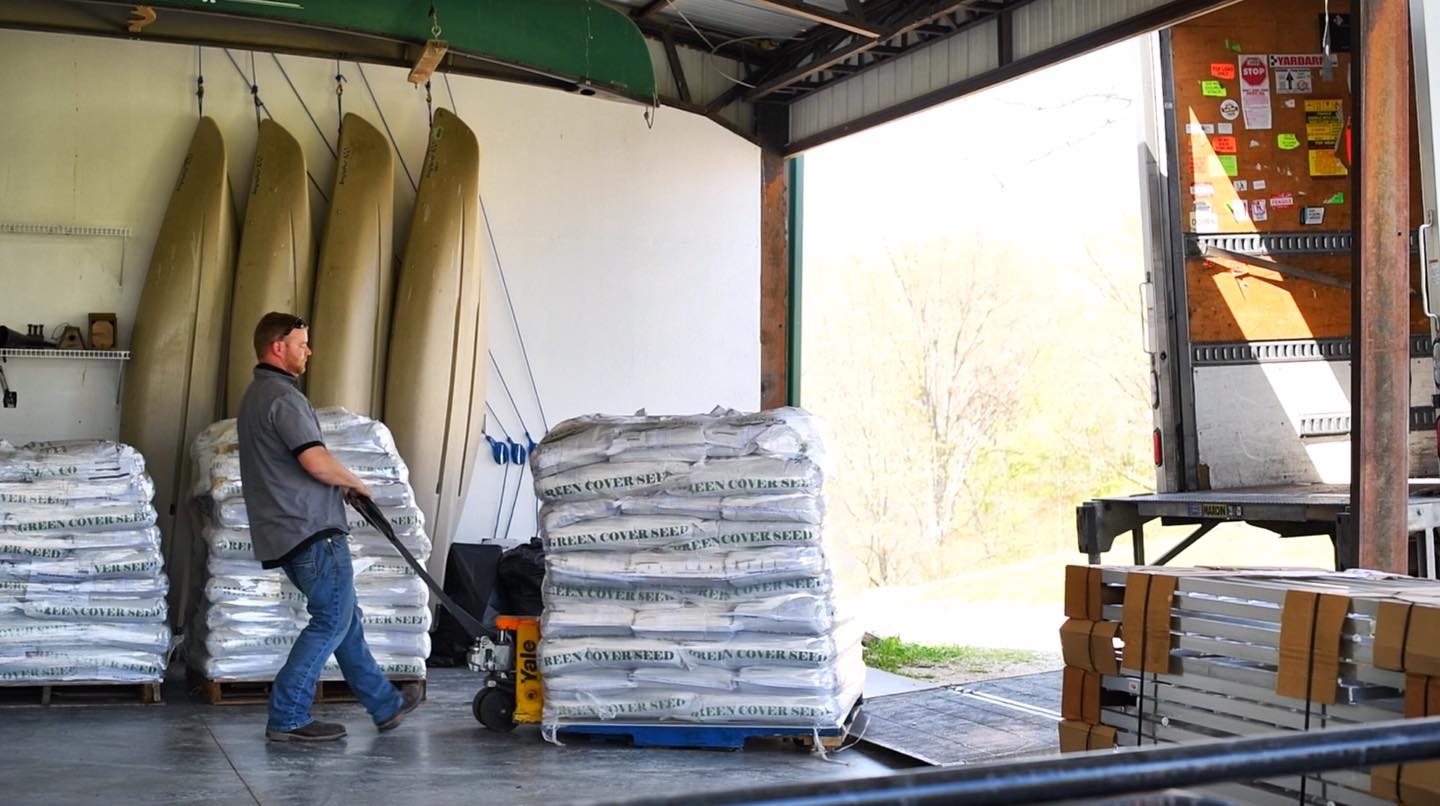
(339, 98)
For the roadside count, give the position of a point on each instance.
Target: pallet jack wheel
(495, 709)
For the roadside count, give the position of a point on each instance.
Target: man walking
(293, 495)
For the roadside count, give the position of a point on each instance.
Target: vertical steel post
(1380, 263)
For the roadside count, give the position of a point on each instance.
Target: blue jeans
(322, 572)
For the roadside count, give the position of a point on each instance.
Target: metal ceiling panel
(1046, 23)
(965, 55)
(1030, 35)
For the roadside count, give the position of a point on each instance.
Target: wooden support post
(1381, 306)
(774, 279)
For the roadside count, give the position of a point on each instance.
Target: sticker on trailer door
(1255, 92)
(1296, 60)
(1281, 201)
(1324, 125)
(1258, 211)
(1292, 81)
(1229, 109)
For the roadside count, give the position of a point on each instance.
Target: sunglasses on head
(295, 322)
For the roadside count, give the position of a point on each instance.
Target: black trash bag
(470, 581)
(519, 577)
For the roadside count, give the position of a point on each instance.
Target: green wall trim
(584, 41)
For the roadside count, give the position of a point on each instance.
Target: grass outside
(1020, 605)
(929, 661)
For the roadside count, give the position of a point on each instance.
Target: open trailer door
(1425, 51)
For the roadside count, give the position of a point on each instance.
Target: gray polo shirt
(288, 508)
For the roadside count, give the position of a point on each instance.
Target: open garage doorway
(971, 330)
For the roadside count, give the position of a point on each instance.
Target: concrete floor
(188, 752)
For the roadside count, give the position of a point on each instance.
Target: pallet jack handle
(370, 511)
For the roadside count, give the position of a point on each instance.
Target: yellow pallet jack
(512, 694)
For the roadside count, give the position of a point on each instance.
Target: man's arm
(326, 469)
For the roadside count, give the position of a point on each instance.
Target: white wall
(631, 253)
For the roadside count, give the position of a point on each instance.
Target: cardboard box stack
(686, 581)
(1216, 653)
(249, 617)
(82, 580)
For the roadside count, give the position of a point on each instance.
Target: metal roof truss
(791, 50)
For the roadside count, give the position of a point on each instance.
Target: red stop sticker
(1253, 70)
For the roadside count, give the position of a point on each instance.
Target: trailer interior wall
(1263, 353)
(631, 253)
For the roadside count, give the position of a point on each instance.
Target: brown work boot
(409, 701)
(316, 731)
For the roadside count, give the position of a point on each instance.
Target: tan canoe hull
(173, 383)
(275, 269)
(355, 276)
(438, 362)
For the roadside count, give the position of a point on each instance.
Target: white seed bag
(565, 655)
(130, 490)
(49, 518)
(608, 480)
(62, 546)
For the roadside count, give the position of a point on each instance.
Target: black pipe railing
(1107, 773)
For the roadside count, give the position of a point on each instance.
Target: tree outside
(971, 333)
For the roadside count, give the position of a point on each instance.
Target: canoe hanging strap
(504, 286)
(339, 100)
(498, 452)
(261, 107)
(200, 80)
(385, 123)
(285, 74)
(254, 89)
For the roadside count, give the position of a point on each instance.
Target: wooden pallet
(80, 693)
(257, 692)
(707, 737)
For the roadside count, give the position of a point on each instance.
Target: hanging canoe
(435, 376)
(173, 383)
(354, 279)
(274, 270)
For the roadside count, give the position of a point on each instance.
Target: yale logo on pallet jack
(529, 664)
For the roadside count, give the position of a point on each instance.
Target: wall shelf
(16, 228)
(70, 355)
(118, 357)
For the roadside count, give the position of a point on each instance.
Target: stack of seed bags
(249, 617)
(1229, 653)
(686, 580)
(82, 579)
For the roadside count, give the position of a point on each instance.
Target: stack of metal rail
(1229, 653)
